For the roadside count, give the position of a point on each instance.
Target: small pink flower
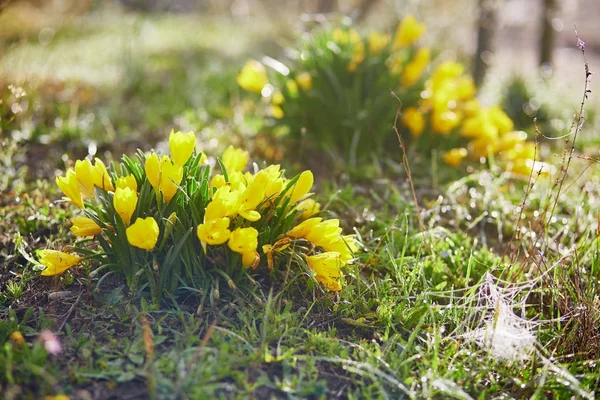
(51, 342)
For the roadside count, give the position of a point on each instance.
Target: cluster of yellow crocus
(79, 183)
(235, 207)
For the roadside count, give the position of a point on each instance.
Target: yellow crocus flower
(225, 202)
(253, 77)
(455, 156)
(414, 121)
(326, 267)
(252, 197)
(344, 245)
(214, 231)
(101, 176)
(302, 186)
(234, 159)
(85, 177)
(57, 262)
(302, 229)
(163, 175)
(125, 202)
(83, 226)
(243, 240)
(143, 233)
(127, 181)
(170, 178)
(304, 80)
(182, 146)
(324, 233)
(152, 168)
(408, 32)
(70, 187)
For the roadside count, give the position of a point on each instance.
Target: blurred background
(95, 77)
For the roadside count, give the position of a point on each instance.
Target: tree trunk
(548, 34)
(486, 29)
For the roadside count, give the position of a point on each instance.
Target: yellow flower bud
(125, 202)
(302, 186)
(182, 146)
(57, 262)
(143, 233)
(304, 80)
(83, 226)
(152, 168)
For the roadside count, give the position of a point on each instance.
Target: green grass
(423, 287)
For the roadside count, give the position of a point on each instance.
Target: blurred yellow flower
(509, 140)
(253, 77)
(414, 121)
(17, 338)
(304, 80)
(143, 233)
(57, 262)
(408, 32)
(182, 146)
(277, 98)
(70, 187)
(83, 226)
(214, 231)
(243, 240)
(276, 111)
(326, 267)
(455, 156)
(127, 181)
(234, 159)
(125, 202)
(292, 87)
(414, 70)
(377, 42)
(444, 122)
